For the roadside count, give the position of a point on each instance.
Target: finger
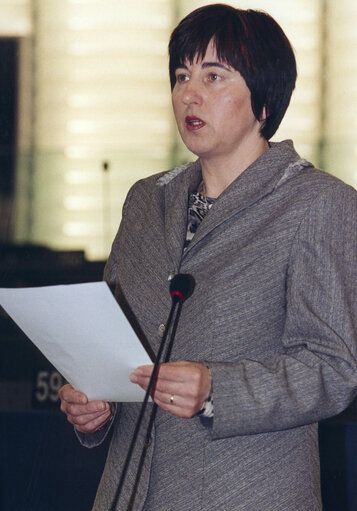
(81, 420)
(145, 370)
(175, 378)
(176, 405)
(168, 369)
(142, 376)
(87, 409)
(142, 381)
(169, 400)
(163, 385)
(171, 371)
(70, 395)
(92, 425)
(85, 419)
(175, 399)
(179, 371)
(191, 378)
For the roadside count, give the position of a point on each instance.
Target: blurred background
(85, 111)
(86, 107)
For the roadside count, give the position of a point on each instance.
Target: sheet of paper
(82, 331)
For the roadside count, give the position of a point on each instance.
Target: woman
(266, 344)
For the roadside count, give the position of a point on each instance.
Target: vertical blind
(15, 19)
(101, 115)
(98, 114)
(340, 127)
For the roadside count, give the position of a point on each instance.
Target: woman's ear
(263, 117)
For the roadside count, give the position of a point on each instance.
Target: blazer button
(161, 330)
(171, 275)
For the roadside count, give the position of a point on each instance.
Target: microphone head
(181, 287)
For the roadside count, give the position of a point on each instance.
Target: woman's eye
(181, 78)
(214, 77)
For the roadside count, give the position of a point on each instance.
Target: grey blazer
(273, 315)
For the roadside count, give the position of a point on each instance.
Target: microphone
(181, 288)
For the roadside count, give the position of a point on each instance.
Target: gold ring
(171, 400)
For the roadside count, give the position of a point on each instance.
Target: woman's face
(212, 107)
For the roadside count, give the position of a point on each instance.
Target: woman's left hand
(181, 387)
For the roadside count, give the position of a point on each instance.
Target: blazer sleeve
(315, 376)
(110, 270)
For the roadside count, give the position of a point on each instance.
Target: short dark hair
(251, 42)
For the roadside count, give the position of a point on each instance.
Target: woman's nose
(192, 93)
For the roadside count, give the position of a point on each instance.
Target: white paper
(82, 331)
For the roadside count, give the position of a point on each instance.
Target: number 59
(48, 385)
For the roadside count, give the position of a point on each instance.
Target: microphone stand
(152, 416)
(178, 297)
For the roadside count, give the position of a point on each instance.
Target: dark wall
(8, 102)
(42, 465)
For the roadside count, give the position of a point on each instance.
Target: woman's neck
(218, 173)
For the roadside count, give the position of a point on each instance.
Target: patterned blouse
(198, 207)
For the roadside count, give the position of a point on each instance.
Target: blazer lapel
(177, 190)
(257, 181)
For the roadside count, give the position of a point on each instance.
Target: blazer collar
(178, 184)
(271, 169)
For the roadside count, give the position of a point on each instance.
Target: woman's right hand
(86, 416)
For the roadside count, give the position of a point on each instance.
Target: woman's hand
(181, 387)
(86, 416)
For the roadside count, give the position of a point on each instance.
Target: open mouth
(194, 123)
